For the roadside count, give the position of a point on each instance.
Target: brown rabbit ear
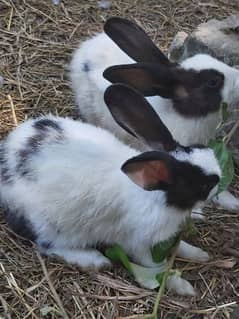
(134, 41)
(151, 170)
(134, 114)
(150, 79)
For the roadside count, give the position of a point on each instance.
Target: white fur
(191, 252)
(200, 157)
(85, 258)
(76, 196)
(101, 52)
(227, 201)
(180, 286)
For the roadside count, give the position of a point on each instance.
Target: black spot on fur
(20, 224)
(47, 130)
(44, 124)
(24, 154)
(5, 174)
(202, 92)
(189, 149)
(200, 146)
(86, 67)
(190, 185)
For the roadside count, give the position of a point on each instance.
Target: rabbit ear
(150, 170)
(149, 79)
(134, 41)
(134, 114)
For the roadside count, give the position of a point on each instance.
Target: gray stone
(176, 47)
(218, 38)
(221, 40)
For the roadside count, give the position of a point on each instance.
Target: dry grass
(36, 42)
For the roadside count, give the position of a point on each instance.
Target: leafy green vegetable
(163, 249)
(116, 253)
(153, 277)
(225, 160)
(145, 276)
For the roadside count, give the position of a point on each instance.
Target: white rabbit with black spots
(69, 186)
(187, 96)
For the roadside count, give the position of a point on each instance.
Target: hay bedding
(36, 42)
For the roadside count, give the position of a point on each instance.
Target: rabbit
(69, 186)
(187, 96)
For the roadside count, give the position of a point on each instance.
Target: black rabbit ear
(134, 41)
(150, 79)
(134, 114)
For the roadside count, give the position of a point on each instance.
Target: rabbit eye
(214, 83)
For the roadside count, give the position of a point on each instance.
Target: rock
(218, 38)
(221, 40)
(176, 47)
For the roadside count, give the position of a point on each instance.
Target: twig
(53, 290)
(120, 298)
(13, 110)
(163, 284)
(10, 20)
(84, 300)
(5, 308)
(203, 311)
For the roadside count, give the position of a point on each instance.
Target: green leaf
(160, 276)
(145, 276)
(225, 160)
(117, 254)
(163, 249)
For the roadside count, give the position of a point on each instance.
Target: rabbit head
(189, 175)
